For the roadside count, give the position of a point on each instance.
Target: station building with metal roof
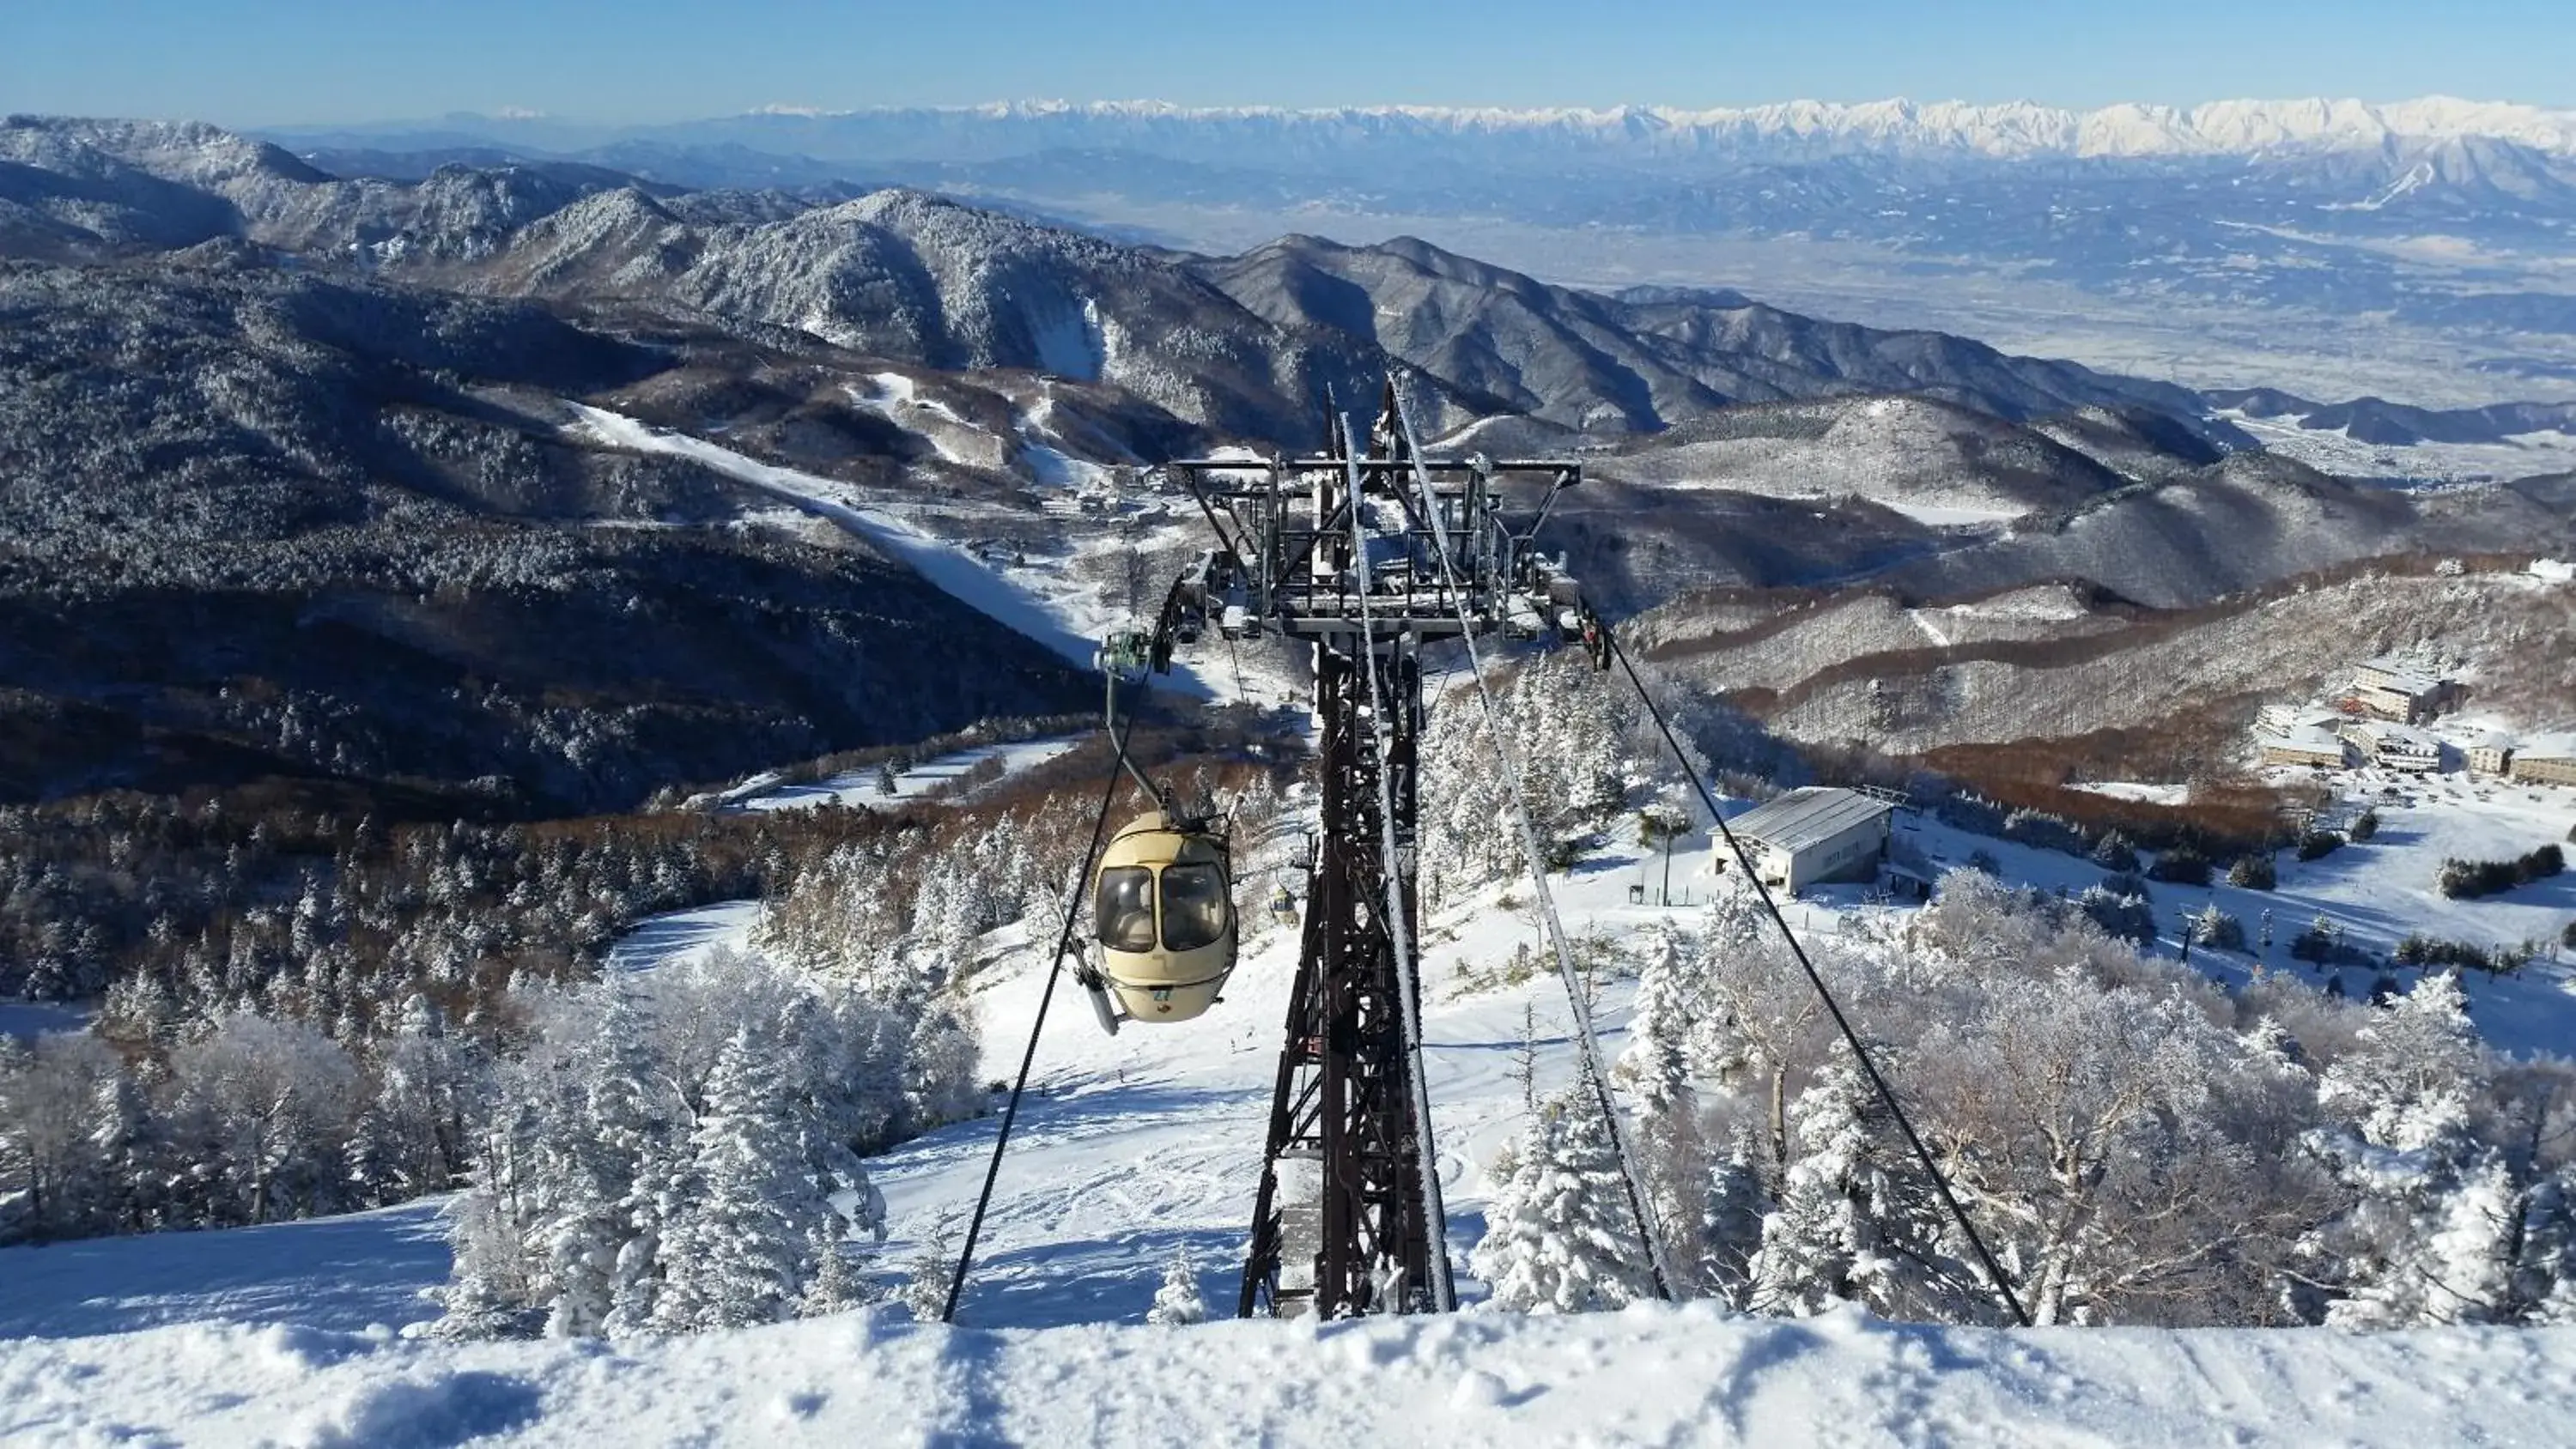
(1814, 835)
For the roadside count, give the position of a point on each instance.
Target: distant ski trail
(949, 568)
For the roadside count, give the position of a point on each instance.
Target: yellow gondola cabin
(1163, 917)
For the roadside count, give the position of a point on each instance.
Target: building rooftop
(2560, 746)
(1807, 817)
(2404, 674)
(2308, 739)
(2387, 733)
(2291, 716)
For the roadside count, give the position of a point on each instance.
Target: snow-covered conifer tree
(1559, 1234)
(1823, 1244)
(663, 1184)
(589, 1162)
(1178, 1301)
(942, 1055)
(927, 1277)
(1730, 1222)
(1659, 1023)
(740, 1251)
(837, 1284)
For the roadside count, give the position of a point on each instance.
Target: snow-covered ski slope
(947, 566)
(861, 788)
(1128, 1148)
(1065, 603)
(1648, 1376)
(26, 1020)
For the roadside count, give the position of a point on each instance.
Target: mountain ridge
(2000, 129)
(1243, 344)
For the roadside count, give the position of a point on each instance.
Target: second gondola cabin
(1163, 914)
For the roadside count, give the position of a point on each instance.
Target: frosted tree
(2424, 1224)
(1757, 1026)
(1560, 1236)
(1729, 1222)
(837, 1285)
(411, 1135)
(943, 1054)
(268, 1104)
(2077, 1123)
(1671, 1157)
(1660, 1022)
(928, 1276)
(53, 1181)
(663, 1184)
(486, 1293)
(122, 1153)
(1178, 1302)
(1825, 1243)
(587, 1182)
(2462, 1172)
(740, 1248)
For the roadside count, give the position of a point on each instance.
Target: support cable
(1063, 946)
(1242, 691)
(1435, 1212)
(1586, 1044)
(1940, 1181)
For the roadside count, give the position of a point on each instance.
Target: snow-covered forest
(647, 1154)
(734, 1139)
(2137, 1145)
(346, 1041)
(682, 1152)
(1588, 757)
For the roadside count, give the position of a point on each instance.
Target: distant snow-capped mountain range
(1802, 129)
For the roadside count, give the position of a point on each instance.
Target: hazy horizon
(301, 63)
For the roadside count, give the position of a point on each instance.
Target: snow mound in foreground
(1647, 1375)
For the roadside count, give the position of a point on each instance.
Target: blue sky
(285, 61)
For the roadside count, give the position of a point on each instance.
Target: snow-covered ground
(1065, 602)
(1131, 1147)
(948, 566)
(1645, 1376)
(1939, 517)
(2138, 790)
(676, 936)
(859, 788)
(2376, 893)
(2335, 451)
(1128, 1148)
(898, 399)
(26, 1020)
(337, 1274)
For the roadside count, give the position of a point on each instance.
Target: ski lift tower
(1346, 549)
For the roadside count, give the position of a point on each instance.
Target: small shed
(1813, 835)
